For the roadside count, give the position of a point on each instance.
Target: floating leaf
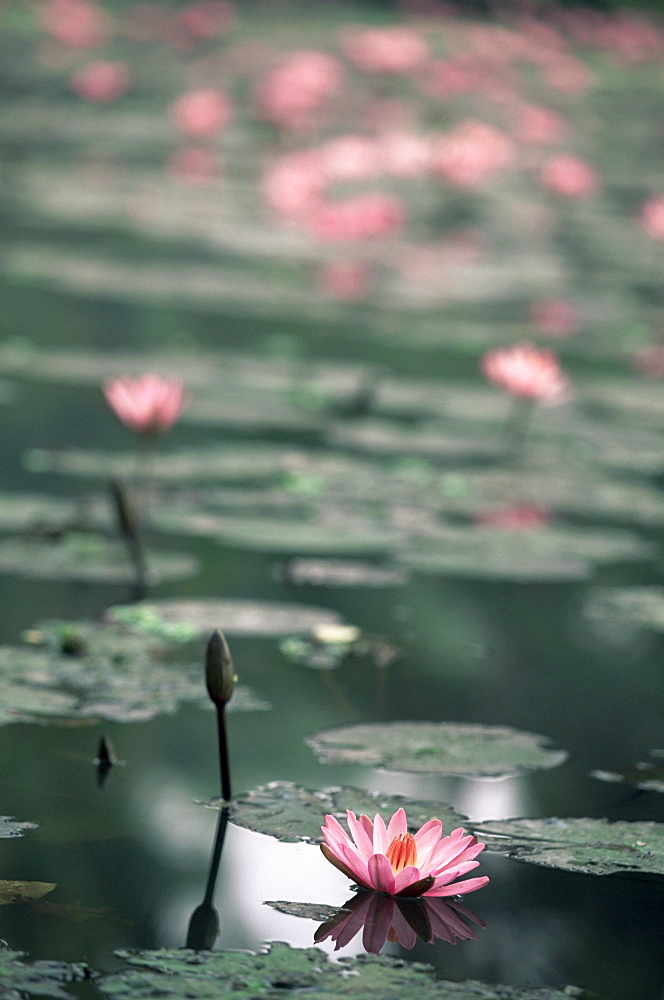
(97, 670)
(640, 605)
(87, 557)
(433, 441)
(310, 911)
(187, 619)
(437, 748)
(356, 535)
(12, 828)
(341, 573)
(288, 812)
(280, 969)
(21, 892)
(37, 979)
(591, 846)
(50, 516)
(550, 553)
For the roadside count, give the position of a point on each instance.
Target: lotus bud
(220, 676)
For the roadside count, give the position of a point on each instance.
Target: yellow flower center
(402, 852)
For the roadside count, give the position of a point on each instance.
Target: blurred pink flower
(202, 112)
(398, 920)
(195, 165)
(393, 861)
(538, 126)
(554, 317)
(78, 23)
(101, 82)
(205, 19)
(346, 280)
(518, 517)
(651, 217)
(470, 154)
(293, 185)
(649, 361)
(405, 154)
(527, 373)
(365, 216)
(569, 176)
(351, 158)
(290, 93)
(148, 404)
(385, 50)
(565, 73)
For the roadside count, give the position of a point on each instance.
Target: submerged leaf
(591, 846)
(437, 748)
(12, 828)
(20, 892)
(282, 970)
(642, 606)
(290, 813)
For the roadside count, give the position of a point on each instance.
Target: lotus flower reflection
(391, 860)
(398, 920)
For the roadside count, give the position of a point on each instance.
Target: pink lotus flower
(385, 50)
(527, 372)
(395, 919)
(471, 154)
(519, 517)
(77, 23)
(102, 82)
(555, 317)
(290, 93)
(148, 404)
(201, 112)
(398, 863)
(569, 177)
(364, 216)
(651, 217)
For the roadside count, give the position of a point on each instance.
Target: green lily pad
(37, 979)
(21, 892)
(13, 828)
(291, 813)
(359, 535)
(643, 606)
(308, 911)
(437, 748)
(45, 515)
(91, 670)
(435, 442)
(569, 491)
(245, 463)
(341, 573)
(188, 619)
(590, 846)
(280, 969)
(89, 558)
(550, 553)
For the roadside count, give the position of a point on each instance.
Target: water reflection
(204, 923)
(398, 920)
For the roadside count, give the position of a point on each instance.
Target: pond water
(340, 461)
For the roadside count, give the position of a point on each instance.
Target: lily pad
(437, 748)
(341, 573)
(88, 558)
(642, 606)
(13, 828)
(280, 969)
(551, 553)
(359, 535)
(91, 670)
(590, 846)
(21, 892)
(291, 813)
(309, 911)
(37, 979)
(188, 619)
(43, 515)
